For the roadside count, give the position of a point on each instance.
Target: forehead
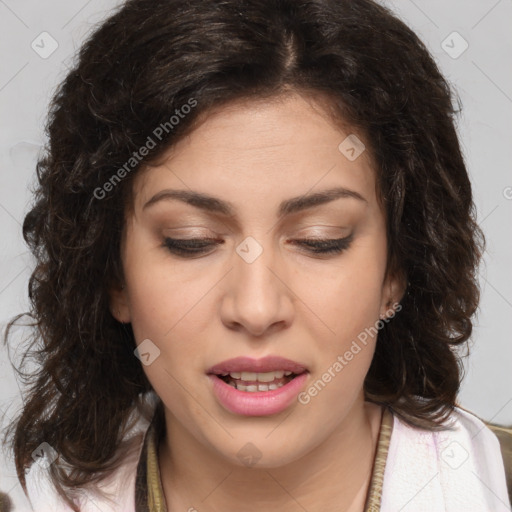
(280, 147)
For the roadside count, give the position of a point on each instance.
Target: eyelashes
(193, 247)
(326, 245)
(190, 246)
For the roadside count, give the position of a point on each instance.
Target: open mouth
(252, 382)
(257, 387)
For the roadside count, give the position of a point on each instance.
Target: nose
(258, 298)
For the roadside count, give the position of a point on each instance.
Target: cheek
(348, 302)
(161, 296)
(347, 295)
(167, 309)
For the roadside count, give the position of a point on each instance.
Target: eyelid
(324, 229)
(189, 232)
(197, 247)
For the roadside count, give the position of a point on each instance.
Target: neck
(332, 477)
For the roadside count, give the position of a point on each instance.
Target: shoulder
(504, 435)
(457, 468)
(116, 492)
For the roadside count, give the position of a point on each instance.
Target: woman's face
(249, 185)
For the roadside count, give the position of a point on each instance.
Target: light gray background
(482, 75)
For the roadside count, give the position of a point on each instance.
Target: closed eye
(190, 247)
(325, 246)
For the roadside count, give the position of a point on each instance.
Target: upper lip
(263, 365)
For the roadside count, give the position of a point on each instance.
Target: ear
(119, 304)
(393, 290)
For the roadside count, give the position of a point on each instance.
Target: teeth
(266, 377)
(258, 377)
(253, 381)
(251, 388)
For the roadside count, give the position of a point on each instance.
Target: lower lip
(258, 403)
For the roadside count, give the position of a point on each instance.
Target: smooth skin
(290, 302)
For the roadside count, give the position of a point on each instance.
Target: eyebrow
(287, 207)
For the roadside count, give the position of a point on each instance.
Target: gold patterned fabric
(156, 498)
(374, 496)
(150, 496)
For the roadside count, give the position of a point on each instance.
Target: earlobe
(118, 304)
(389, 310)
(393, 291)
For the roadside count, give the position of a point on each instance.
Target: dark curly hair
(139, 68)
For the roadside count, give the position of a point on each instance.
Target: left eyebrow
(296, 204)
(287, 207)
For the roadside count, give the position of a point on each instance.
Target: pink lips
(265, 364)
(258, 403)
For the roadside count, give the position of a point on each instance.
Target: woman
(256, 265)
